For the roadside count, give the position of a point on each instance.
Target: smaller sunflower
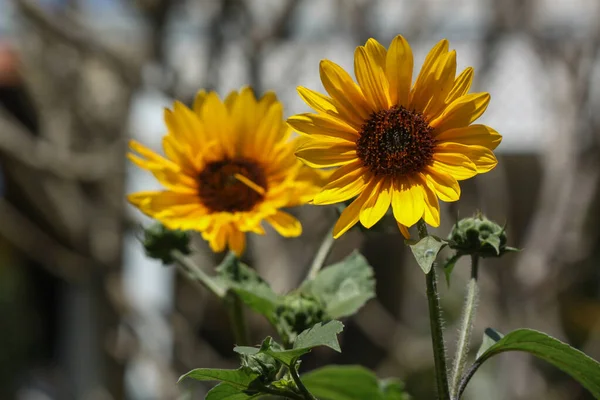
(228, 166)
(395, 143)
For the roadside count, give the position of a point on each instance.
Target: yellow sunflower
(395, 143)
(229, 165)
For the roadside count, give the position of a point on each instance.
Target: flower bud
(160, 241)
(478, 236)
(298, 312)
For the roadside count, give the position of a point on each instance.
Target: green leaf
(350, 382)
(248, 285)
(426, 251)
(490, 338)
(238, 378)
(449, 267)
(318, 335)
(393, 389)
(224, 391)
(581, 367)
(343, 287)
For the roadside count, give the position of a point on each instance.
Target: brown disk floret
(219, 190)
(396, 142)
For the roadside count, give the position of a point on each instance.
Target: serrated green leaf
(490, 338)
(426, 251)
(343, 287)
(350, 382)
(318, 335)
(239, 378)
(224, 391)
(581, 367)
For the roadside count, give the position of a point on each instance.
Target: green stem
(236, 311)
(435, 320)
(194, 273)
(321, 255)
(294, 372)
(466, 328)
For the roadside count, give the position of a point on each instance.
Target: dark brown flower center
(396, 142)
(222, 186)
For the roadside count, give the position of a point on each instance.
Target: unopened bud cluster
(478, 236)
(159, 242)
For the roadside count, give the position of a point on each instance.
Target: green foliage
(351, 383)
(266, 370)
(224, 391)
(343, 287)
(339, 290)
(239, 378)
(572, 361)
(159, 242)
(426, 251)
(318, 335)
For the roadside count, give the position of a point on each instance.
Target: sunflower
(228, 166)
(394, 143)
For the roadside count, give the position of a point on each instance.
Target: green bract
(159, 242)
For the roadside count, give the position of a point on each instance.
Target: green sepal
(426, 251)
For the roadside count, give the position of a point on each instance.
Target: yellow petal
(407, 201)
(199, 101)
(404, 231)
(371, 79)
(237, 241)
(439, 85)
(419, 96)
(316, 100)
(377, 204)
(322, 154)
(455, 164)
(216, 121)
(462, 112)
(151, 155)
(173, 179)
(399, 66)
(346, 182)
(348, 98)
(266, 101)
(351, 214)
(480, 135)
(431, 213)
(461, 86)
(216, 237)
(180, 154)
(445, 185)
(376, 52)
(313, 124)
(269, 129)
(285, 224)
(155, 202)
(483, 158)
(230, 100)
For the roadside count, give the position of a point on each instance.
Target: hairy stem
(195, 274)
(294, 372)
(437, 334)
(321, 255)
(466, 328)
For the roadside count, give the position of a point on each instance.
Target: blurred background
(84, 315)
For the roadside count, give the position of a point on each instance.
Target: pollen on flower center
(221, 189)
(396, 141)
